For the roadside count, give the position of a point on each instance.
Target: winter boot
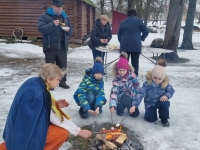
(165, 122)
(62, 83)
(82, 113)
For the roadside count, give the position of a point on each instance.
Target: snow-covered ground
(21, 61)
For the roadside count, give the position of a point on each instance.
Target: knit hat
(132, 12)
(58, 2)
(98, 66)
(123, 62)
(159, 70)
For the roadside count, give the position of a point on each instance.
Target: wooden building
(24, 14)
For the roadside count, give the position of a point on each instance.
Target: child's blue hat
(98, 66)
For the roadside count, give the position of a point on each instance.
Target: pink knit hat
(159, 72)
(123, 62)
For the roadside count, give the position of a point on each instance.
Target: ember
(106, 137)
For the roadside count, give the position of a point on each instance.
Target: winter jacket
(27, 122)
(90, 85)
(98, 32)
(51, 33)
(129, 34)
(128, 85)
(152, 92)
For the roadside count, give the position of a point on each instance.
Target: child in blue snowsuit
(156, 92)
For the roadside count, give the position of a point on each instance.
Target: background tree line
(156, 8)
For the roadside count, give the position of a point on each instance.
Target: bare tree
(157, 9)
(119, 6)
(131, 4)
(187, 36)
(147, 11)
(173, 28)
(112, 5)
(139, 6)
(198, 11)
(101, 5)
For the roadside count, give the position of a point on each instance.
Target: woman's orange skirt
(56, 136)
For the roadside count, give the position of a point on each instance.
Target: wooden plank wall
(91, 18)
(21, 14)
(25, 14)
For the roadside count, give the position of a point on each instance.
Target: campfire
(114, 139)
(107, 137)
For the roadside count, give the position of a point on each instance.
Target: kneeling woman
(28, 126)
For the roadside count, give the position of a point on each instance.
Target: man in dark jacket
(130, 37)
(55, 27)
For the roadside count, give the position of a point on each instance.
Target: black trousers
(59, 57)
(134, 60)
(126, 102)
(97, 53)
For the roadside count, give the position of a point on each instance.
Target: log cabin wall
(91, 18)
(86, 18)
(25, 14)
(21, 14)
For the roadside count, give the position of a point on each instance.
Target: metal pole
(105, 64)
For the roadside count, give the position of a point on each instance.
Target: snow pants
(56, 136)
(163, 111)
(126, 102)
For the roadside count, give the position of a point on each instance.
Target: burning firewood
(121, 138)
(112, 136)
(108, 143)
(109, 131)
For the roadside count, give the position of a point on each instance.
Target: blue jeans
(91, 100)
(163, 110)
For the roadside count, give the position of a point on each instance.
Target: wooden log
(121, 139)
(108, 143)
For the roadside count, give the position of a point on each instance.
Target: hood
(51, 12)
(101, 26)
(114, 69)
(163, 84)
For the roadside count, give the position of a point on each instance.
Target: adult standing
(55, 39)
(130, 37)
(100, 36)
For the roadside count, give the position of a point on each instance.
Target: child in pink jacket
(125, 87)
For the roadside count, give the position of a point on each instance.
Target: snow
(183, 133)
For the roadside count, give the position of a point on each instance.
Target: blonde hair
(104, 17)
(51, 71)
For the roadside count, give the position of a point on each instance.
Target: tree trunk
(173, 28)
(187, 36)
(112, 6)
(119, 6)
(131, 4)
(147, 12)
(102, 3)
(161, 10)
(139, 8)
